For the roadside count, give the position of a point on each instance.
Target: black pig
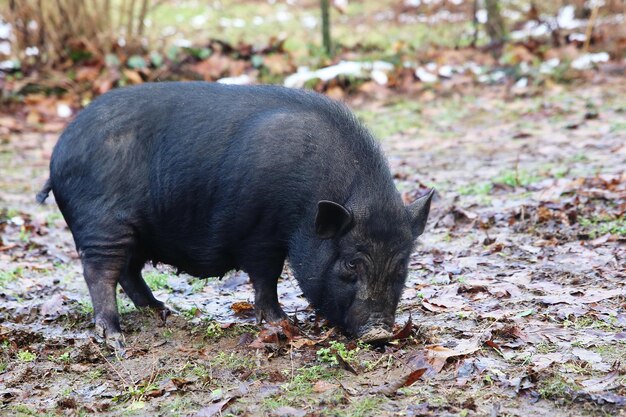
(210, 178)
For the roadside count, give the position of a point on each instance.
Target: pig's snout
(377, 329)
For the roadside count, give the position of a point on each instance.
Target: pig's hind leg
(102, 273)
(138, 291)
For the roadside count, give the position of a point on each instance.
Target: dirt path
(516, 292)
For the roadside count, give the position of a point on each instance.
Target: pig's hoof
(270, 315)
(376, 335)
(164, 314)
(115, 340)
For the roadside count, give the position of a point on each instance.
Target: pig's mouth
(376, 330)
(378, 334)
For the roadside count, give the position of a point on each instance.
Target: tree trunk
(326, 27)
(495, 22)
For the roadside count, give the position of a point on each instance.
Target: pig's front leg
(266, 305)
(264, 276)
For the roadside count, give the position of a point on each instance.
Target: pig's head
(361, 263)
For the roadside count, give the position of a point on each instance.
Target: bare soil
(516, 295)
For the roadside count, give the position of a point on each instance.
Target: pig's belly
(194, 260)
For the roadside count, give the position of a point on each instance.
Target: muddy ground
(516, 293)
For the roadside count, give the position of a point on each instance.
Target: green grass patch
(53, 217)
(156, 280)
(579, 157)
(299, 390)
(591, 322)
(205, 373)
(598, 226)
(329, 354)
(618, 127)
(234, 21)
(233, 361)
(197, 284)
(84, 307)
(124, 305)
(178, 406)
(479, 189)
(614, 352)
(311, 374)
(23, 410)
(95, 374)
(556, 386)
(26, 356)
(362, 407)
(516, 178)
(11, 275)
(214, 331)
(62, 358)
(546, 347)
(398, 118)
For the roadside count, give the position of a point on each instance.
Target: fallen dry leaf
(592, 358)
(275, 334)
(242, 307)
(133, 76)
(544, 361)
(592, 297)
(405, 381)
(345, 364)
(405, 331)
(297, 342)
(286, 411)
(323, 386)
(435, 357)
(215, 409)
(603, 383)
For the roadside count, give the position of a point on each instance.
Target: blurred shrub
(74, 30)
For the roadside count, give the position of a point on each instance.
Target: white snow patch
(521, 83)
(586, 61)
(309, 21)
(5, 48)
(380, 77)
(198, 21)
(351, 68)
(547, 67)
(182, 43)
(425, 76)
(445, 71)
(9, 64)
(5, 30)
(31, 51)
(481, 16)
(243, 79)
(63, 110)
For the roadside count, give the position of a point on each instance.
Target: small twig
(154, 374)
(291, 361)
(475, 24)
(372, 366)
(590, 25)
(111, 365)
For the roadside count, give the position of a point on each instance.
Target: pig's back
(196, 169)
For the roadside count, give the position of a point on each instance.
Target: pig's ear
(331, 220)
(418, 210)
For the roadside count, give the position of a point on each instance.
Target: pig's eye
(355, 264)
